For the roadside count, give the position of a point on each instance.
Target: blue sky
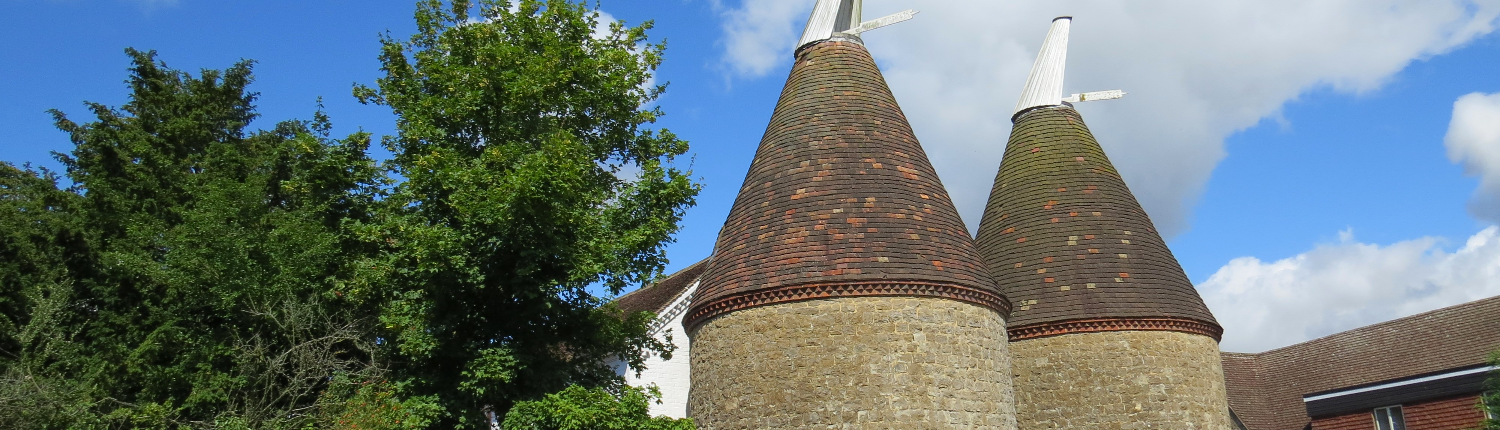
(1373, 164)
(1298, 157)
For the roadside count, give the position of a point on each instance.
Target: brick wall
(1354, 421)
(1454, 413)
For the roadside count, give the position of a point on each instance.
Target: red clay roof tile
(840, 193)
(1024, 221)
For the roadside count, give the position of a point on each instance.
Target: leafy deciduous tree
(578, 408)
(516, 125)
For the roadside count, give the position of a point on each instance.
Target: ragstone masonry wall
(859, 362)
(1120, 380)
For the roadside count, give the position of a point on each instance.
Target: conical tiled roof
(840, 201)
(1070, 246)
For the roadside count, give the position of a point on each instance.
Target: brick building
(1425, 371)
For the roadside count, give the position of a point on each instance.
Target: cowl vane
(1044, 86)
(843, 19)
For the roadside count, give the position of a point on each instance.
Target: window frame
(1393, 413)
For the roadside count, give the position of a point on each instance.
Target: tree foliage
(578, 408)
(197, 274)
(189, 270)
(516, 127)
(41, 245)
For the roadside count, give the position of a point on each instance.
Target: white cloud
(1474, 141)
(602, 23)
(1196, 72)
(758, 35)
(1337, 287)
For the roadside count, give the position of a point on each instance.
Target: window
(1389, 418)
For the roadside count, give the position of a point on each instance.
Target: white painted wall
(670, 376)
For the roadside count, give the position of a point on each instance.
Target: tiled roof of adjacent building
(840, 200)
(1070, 246)
(1266, 389)
(656, 297)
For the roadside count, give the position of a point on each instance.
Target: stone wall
(855, 363)
(1120, 380)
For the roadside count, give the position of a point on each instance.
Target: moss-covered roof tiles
(840, 201)
(1066, 240)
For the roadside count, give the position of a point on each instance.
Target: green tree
(578, 408)
(517, 125)
(188, 276)
(41, 249)
(40, 245)
(200, 275)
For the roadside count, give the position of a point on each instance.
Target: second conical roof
(1066, 240)
(840, 201)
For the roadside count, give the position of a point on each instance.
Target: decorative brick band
(703, 312)
(1115, 324)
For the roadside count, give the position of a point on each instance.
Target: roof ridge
(646, 298)
(1445, 338)
(1372, 326)
(667, 277)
